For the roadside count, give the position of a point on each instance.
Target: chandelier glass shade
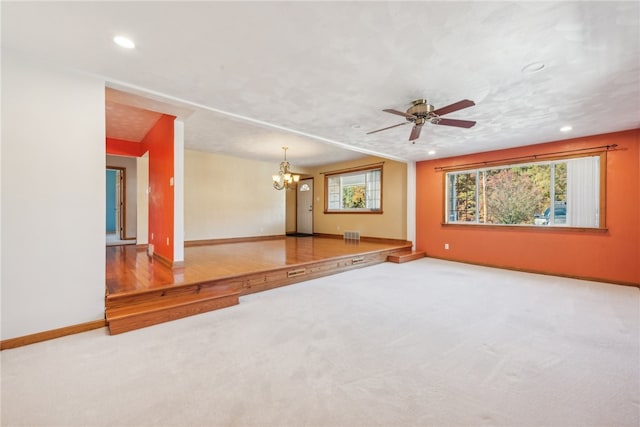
(284, 178)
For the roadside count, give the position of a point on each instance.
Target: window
(563, 192)
(357, 191)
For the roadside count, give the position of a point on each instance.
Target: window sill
(535, 228)
(354, 212)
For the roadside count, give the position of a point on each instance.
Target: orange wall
(120, 147)
(613, 255)
(159, 141)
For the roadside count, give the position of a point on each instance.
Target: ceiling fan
(421, 112)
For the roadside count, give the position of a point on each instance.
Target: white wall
(411, 203)
(227, 197)
(131, 191)
(142, 168)
(53, 198)
(178, 191)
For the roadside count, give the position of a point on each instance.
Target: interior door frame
(121, 221)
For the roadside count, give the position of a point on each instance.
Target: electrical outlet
(446, 246)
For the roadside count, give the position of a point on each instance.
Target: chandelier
(284, 178)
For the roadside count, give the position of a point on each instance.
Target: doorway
(115, 204)
(304, 207)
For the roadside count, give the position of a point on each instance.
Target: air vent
(299, 272)
(351, 235)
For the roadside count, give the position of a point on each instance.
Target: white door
(304, 206)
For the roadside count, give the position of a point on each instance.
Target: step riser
(264, 282)
(144, 319)
(401, 258)
(118, 301)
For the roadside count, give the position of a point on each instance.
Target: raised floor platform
(143, 292)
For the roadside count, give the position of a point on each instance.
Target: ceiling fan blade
(415, 132)
(390, 127)
(454, 107)
(457, 123)
(400, 113)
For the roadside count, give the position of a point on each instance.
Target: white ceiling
(250, 77)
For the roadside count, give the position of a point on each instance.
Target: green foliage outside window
(512, 197)
(354, 197)
(509, 195)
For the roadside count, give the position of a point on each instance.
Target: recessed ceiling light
(124, 42)
(431, 152)
(534, 67)
(565, 128)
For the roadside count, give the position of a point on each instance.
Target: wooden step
(143, 314)
(406, 256)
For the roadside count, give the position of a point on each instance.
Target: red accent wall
(612, 255)
(159, 141)
(120, 147)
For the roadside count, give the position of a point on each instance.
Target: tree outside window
(560, 192)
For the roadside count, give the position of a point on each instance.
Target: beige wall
(291, 211)
(229, 197)
(391, 224)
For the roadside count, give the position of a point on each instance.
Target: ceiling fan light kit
(422, 112)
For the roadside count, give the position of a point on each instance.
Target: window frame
(352, 171)
(532, 160)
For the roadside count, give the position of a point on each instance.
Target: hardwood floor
(129, 269)
(141, 291)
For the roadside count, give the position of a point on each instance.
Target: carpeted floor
(426, 343)
(113, 240)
